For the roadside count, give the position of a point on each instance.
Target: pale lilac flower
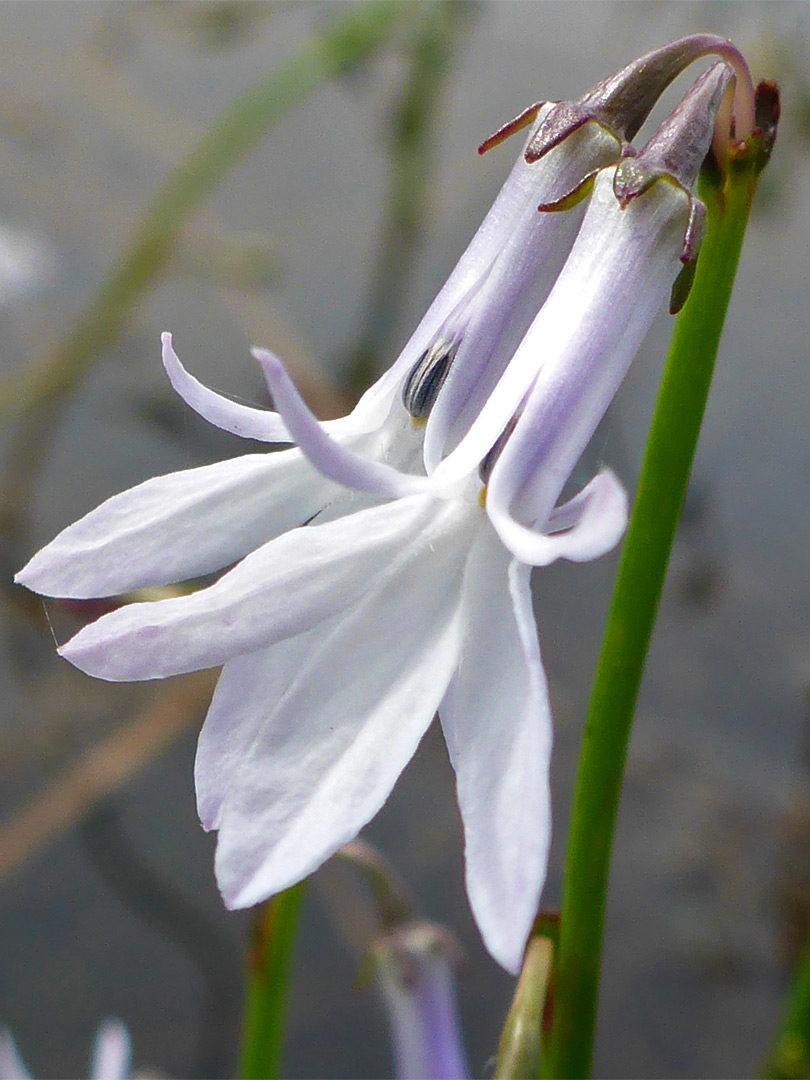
(111, 1058)
(177, 526)
(414, 968)
(342, 639)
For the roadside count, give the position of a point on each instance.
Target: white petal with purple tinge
(279, 590)
(333, 740)
(497, 722)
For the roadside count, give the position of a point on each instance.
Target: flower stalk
(521, 1043)
(662, 486)
(268, 969)
(790, 1055)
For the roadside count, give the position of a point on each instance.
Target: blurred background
(323, 235)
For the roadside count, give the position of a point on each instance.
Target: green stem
(268, 969)
(790, 1058)
(661, 490)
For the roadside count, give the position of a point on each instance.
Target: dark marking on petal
(492, 455)
(427, 377)
(681, 287)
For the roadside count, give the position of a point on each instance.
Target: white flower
(111, 1060)
(177, 526)
(341, 640)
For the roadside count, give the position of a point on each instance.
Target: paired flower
(340, 640)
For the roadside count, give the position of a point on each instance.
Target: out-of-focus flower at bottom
(413, 967)
(111, 1058)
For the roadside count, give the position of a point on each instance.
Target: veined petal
(243, 420)
(329, 747)
(112, 1052)
(465, 276)
(233, 720)
(532, 250)
(182, 525)
(497, 722)
(336, 462)
(586, 527)
(279, 590)
(577, 350)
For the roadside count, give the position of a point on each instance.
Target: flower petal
(576, 352)
(182, 525)
(112, 1052)
(531, 252)
(332, 743)
(280, 590)
(588, 526)
(12, 1066)
(332, 460)
(233, 722)
(497, 722)
(243, 420)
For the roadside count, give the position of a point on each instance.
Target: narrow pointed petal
(182, 525)
(12, 1066)
(332, 743)
(112, 1052)
(497, 722)
(280, 590)
(579, 347)
(585, 528)
(242, 420)
(336, 462)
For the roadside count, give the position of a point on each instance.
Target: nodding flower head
(414, 966)
(379, 572)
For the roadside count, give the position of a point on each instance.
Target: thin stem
(661, 490)
(268, 969)
(791, 1051)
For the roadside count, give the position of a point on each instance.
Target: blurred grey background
(119, 914)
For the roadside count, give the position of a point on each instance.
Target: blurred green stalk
(411, 138)
(269, 962)
(659, 498)
(34, 398)
(790, 1054)
(337, 49)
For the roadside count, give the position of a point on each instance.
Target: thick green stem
(662, 486)
(268, 969)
